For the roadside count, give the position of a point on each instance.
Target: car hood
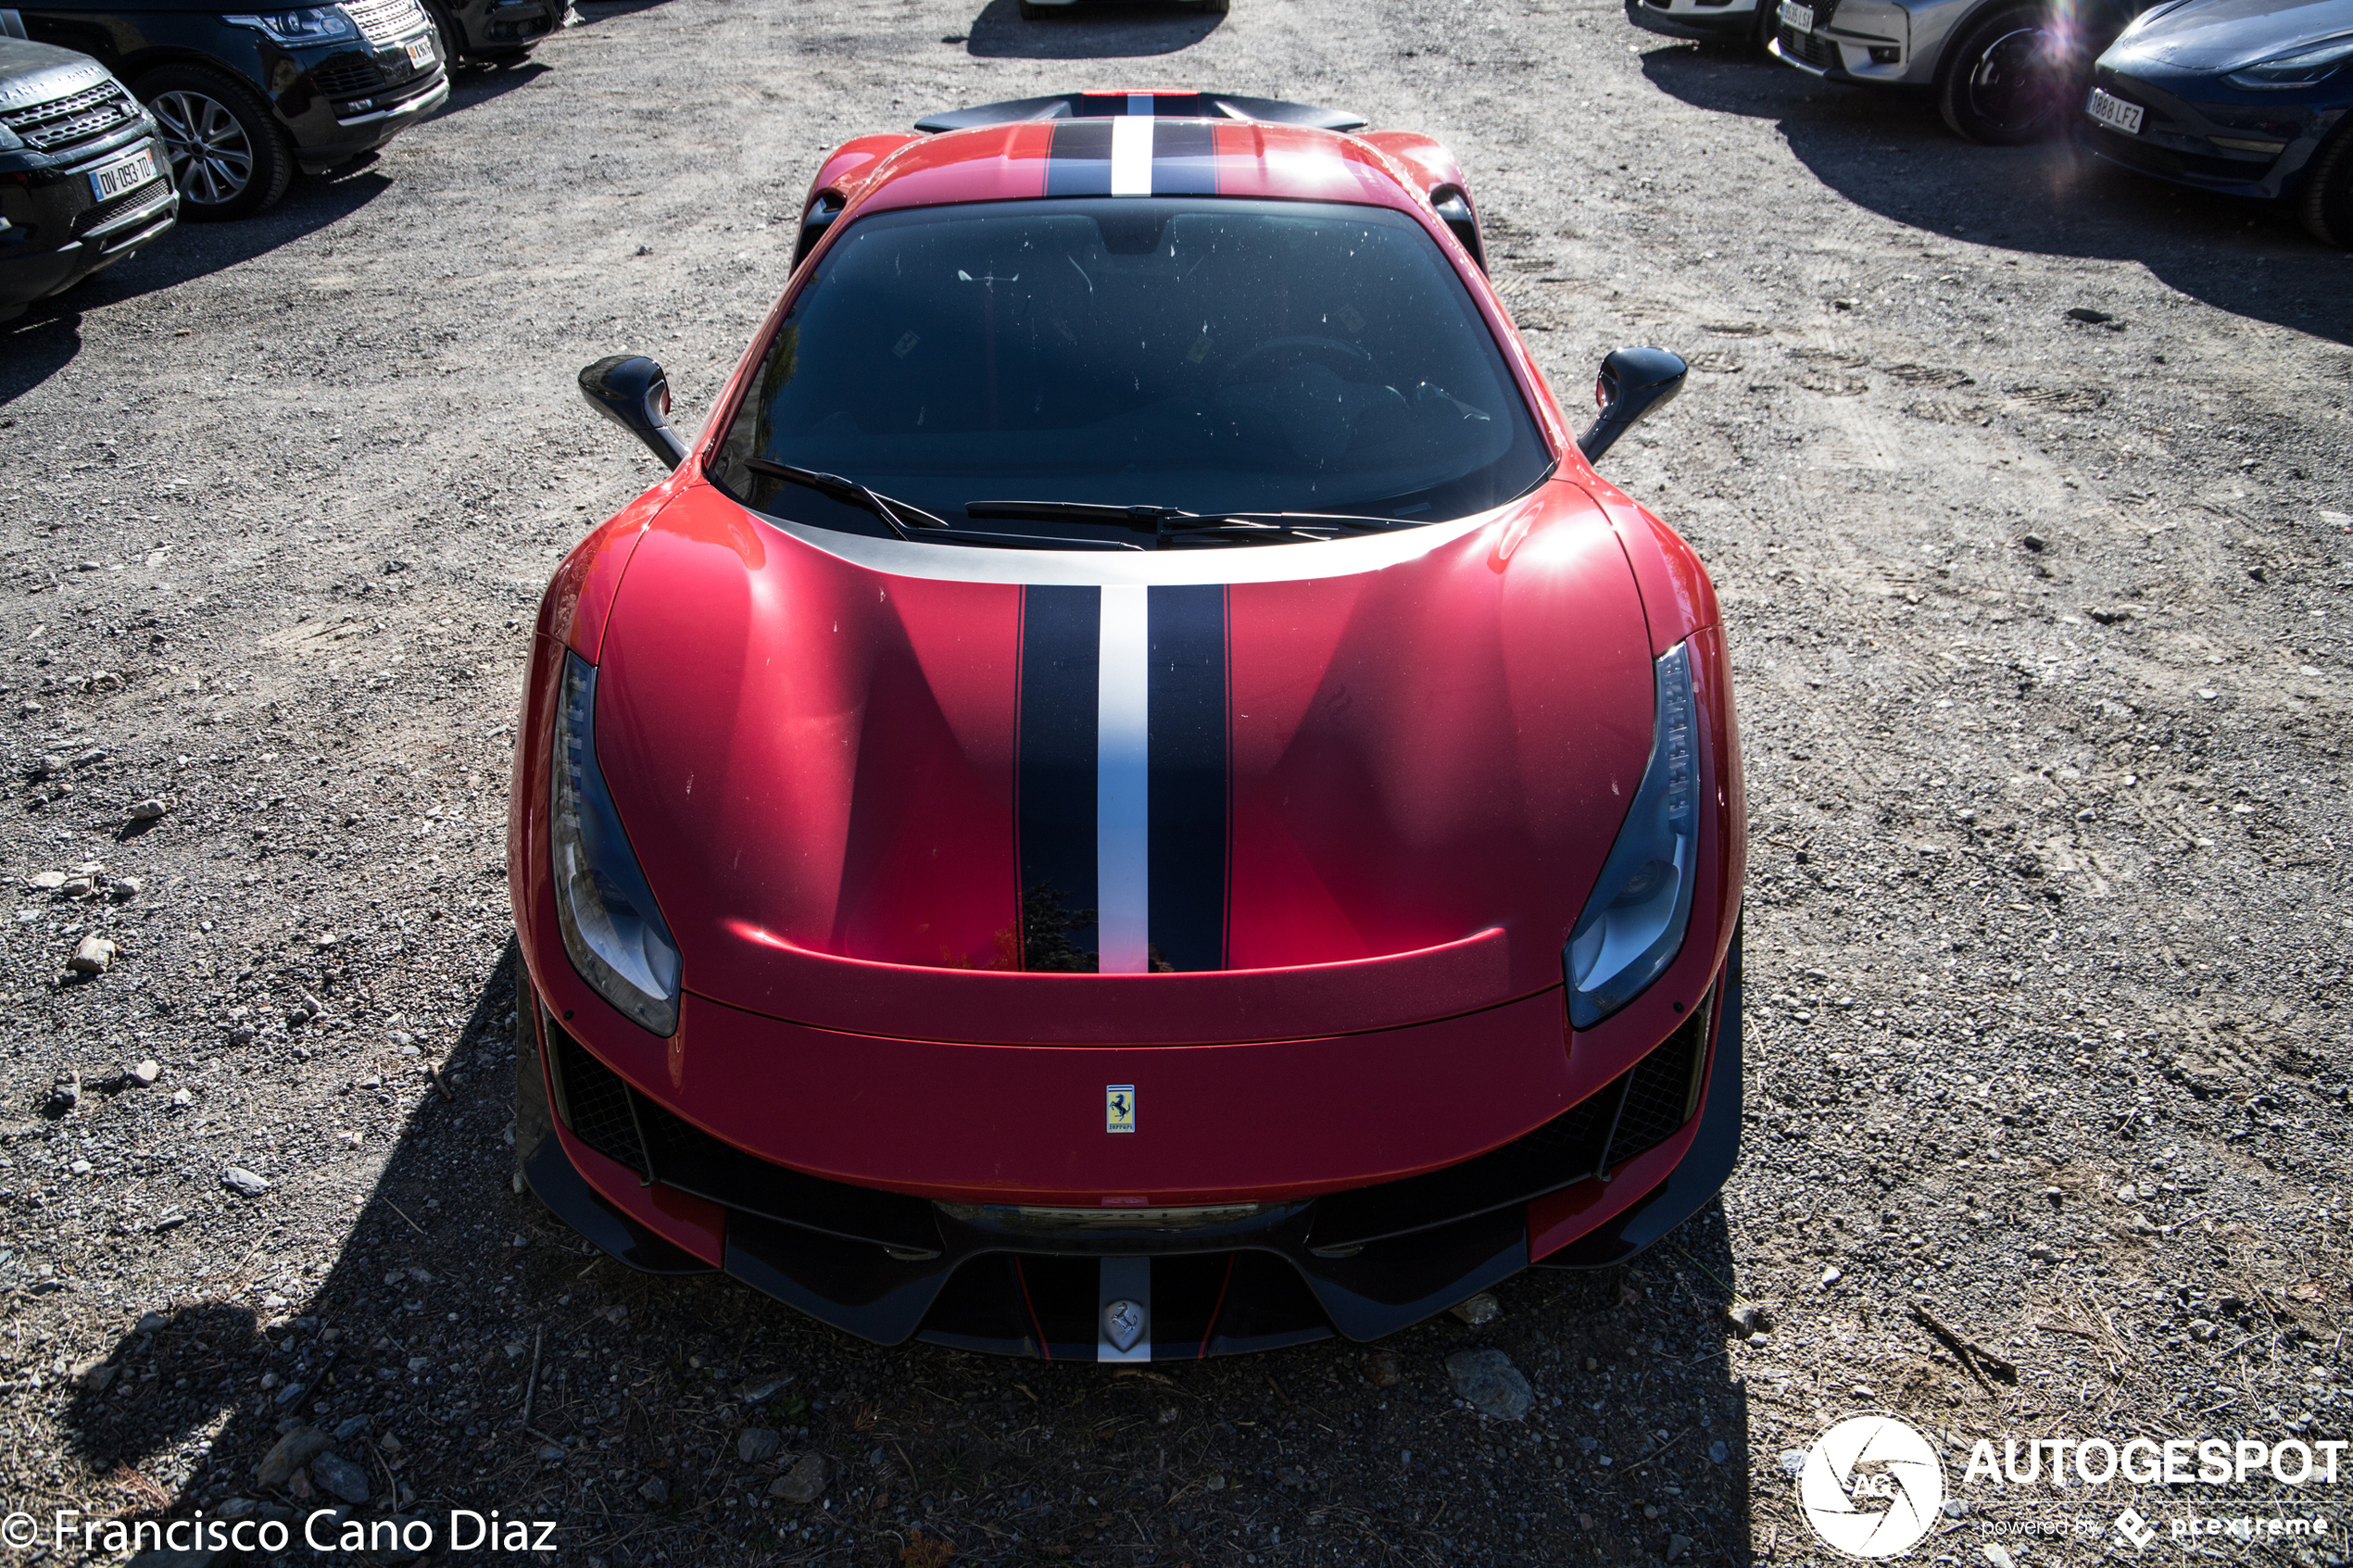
(2226, 34)
(834, 754)
(37, 73)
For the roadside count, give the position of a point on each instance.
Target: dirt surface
(2041, 626)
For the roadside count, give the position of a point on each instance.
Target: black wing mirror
(1633, 382)
(631, 391)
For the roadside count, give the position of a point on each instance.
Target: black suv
(83, 180)
(495, 32)
(243, 97)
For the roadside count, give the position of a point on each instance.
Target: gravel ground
(2042, 625)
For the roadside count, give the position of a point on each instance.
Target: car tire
(2006, 80)
(1767, 25)
(446, 36)
(228, 155)
(2328, 191)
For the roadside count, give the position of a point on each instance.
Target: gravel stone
(1490, 1381)
(244, 1183)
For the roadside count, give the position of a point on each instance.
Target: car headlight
(2297, 69)
(611, 926)
(312, 24)
(1633, 924)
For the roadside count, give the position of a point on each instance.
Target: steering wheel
(1342, 356)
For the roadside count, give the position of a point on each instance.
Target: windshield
(1205, 355)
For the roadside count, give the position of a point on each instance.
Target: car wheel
(2328, 191)
(2012, 76)
(444, 33)
(1767, 24)
(228, 157)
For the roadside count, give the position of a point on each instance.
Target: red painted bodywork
(814, 764)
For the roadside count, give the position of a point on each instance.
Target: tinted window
(1214, 356)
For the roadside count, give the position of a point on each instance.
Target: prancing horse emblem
(1123, 1323)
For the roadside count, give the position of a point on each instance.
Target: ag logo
(1872, 1486)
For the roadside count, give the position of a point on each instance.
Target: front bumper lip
(980, 1285)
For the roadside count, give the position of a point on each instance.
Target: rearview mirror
(1633, 381)
(631, 391)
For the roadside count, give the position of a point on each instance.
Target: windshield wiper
(897, 515)
(1172, 525)
(912, 522)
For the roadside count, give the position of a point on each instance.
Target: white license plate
(2111, 111)
(420, 52)
(1798, 17)
(123, 174)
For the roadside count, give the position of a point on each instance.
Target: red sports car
(1135, 796)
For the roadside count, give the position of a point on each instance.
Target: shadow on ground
(1092, 29)
(470, 85)
(45, 339)
(1886, 150)
(675, 1420)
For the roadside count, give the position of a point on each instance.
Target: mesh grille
(381, 21)
(98, 217)
(64, 122)
(347, 77)
(1658, 1091)
(595, 1101)
(1811, 47)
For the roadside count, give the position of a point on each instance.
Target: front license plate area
(420, 52)
(1798, 17)
(2114, 112)
(123, 174)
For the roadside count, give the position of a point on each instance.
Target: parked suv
(2003, 71)
(495, 32)
(83, 178)
(243, 98)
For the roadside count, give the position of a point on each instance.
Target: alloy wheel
(211, 155)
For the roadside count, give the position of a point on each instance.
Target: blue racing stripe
(1188, 768)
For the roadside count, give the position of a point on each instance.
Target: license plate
(123, 174)
(2114, 111)
(1798, 17)
(420, 52)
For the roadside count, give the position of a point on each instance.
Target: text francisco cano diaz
(321, 1530)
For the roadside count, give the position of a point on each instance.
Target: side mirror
(1633, 381)
(631, 391)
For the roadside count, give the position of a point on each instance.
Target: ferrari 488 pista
(1133, 796)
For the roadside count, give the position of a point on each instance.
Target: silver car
(2003, 71)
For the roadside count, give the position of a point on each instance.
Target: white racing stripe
(1123, 844)
(1131, 156)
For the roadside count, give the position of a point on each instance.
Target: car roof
(1136, 154)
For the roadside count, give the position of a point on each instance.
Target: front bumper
(494, 30)
(1589, 1188)
(338, 103)
(56, 233)
(2232, 143)
(1696, 18)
